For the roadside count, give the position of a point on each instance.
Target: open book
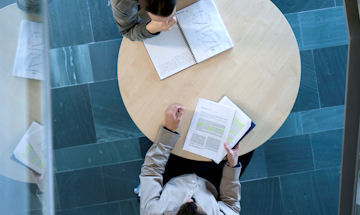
(198, 35)
(212, 125)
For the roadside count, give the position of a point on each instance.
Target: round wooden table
(261, 74)
(21, 98)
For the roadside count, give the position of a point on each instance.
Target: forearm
(230, 188)
(154, 166)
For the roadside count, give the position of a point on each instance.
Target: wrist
(149, 27)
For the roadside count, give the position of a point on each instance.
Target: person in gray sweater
(188, 193)
(141, 19)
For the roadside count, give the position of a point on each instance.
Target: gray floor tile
(330, 64)
(311, 192)
(323, 119)
(104, 57)
(102, 21)
(339, 2)
(111, 118)
(294, 22)
(72, 117)
(121, 179)
(327, 148)
(308, 96)
(130, 207)
(291, 127)
(101, 209)
(98, 154)
(261, 197)
(257, 166)
(17, 197)
(323, 28)
(302, 5)
(69, 23)
(4, 3)
(80, 188)
(70, 66)
(288, 155)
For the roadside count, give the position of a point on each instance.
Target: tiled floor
(99, 151)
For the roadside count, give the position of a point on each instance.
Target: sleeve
(151, 178)
(230, 190)
(126, 16)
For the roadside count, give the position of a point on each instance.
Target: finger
(227, 148)
(237, 148)
(179, 114)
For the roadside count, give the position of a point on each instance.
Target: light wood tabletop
(21, 98)
(261, 74)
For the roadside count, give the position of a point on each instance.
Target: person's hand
(232, 154)
(173, 117)
(155, 27)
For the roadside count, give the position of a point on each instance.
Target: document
(198, 35)
(29, 150)
(29, 54)
(209, 129)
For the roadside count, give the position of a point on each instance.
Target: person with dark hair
(141, 19)
(186, 193)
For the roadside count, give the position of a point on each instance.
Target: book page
(240, 125)
(209, 129)
(204, 30)
(29, 54)
(169, 53)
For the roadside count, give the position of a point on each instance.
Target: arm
(151, 178)
(230, 185)
(125, 13)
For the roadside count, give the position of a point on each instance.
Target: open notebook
(198, 35)
(213, 124)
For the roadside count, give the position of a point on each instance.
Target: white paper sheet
(29, 150)
(204, 30)
(169, 53)
(209, 129)
(240, 125)
(29, 55)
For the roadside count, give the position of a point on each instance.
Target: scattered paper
(29, 150)
(29, 55)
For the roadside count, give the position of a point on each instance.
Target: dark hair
(162, 8)
(190, 208)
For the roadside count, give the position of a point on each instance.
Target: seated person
(141, 19)
(187, 193)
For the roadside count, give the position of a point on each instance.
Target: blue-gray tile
(145, 144)
(101, 209)
(323, 119)
(308, 96)
(98, 154)
(327, 148)
(102, 21)
(69, 23)
(261, 197)
(311, 192)
(330, 64)
(323, 28)
(121, 179)
(339, 2)
(104, 57)
(72, 117)
(302, 5)
(70, 66)
(17, 197)
(294, 22)
(130, 207)
(288, 155)
(111, 118)
(291, 127)
(80, 188)
(4, 3)
(256, 167)
(30, 212)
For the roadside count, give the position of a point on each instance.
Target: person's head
(190, 208)
(160, 10)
